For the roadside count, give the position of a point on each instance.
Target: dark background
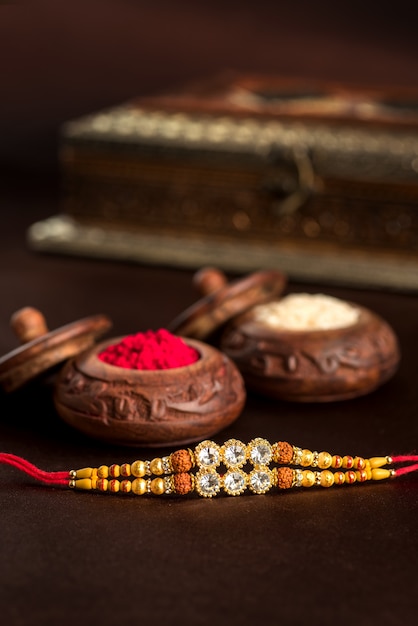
(60, 59)
(319, 557)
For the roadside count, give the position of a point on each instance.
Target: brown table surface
(344, 555)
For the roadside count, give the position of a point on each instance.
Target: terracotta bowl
(150, 408)
(314, 365)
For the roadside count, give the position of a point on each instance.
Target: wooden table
(345, 555)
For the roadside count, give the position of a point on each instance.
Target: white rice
(305, 311)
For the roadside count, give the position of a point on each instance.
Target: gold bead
(308, 478)
(327, 478)
(103, 471)
(139, 486)
(156, 467)
(138, 469)
(324, 460)
(158, 486)
(307, 458)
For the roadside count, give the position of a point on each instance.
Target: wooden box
(247, 172)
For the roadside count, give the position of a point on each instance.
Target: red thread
(50, 478)
(406, 458)
(407, 469)
(151, 350)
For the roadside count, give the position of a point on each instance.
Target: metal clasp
(291, 180)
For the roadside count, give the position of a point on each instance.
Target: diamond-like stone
(234, 482)
(234, 453)
(208, 483)
(208, 454)
(260, 452)
(260, 480)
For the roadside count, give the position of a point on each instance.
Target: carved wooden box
(318, 180)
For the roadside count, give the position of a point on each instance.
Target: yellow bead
(139, 486)
(381, 474)
(361, 475)
(83, 483)
(307, 457)
(114, 471)
(138, 469)
(350, 477)
(339, 478)
(103, 471)
(158, 486)
(348, 461)
(359, 463)
(308, 478)
(327, 478)
(125, 469)
(114, 485)
(156, 467)
(337, 461)
(102, 484)
(324, 460)
(125, 486)
(85, 472)
(378, 461)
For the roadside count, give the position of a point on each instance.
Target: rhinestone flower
(208, 454)
(260, 452)
(234, 453)
(208, 483)
(260, 480)
(235, 482)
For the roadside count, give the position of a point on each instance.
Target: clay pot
(314, 365)
(150, 408)
(301, 366)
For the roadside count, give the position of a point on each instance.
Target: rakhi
(279, 465)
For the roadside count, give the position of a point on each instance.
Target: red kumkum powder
(151, 350)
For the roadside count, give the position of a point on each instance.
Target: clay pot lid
(222, 301)
(42, 349)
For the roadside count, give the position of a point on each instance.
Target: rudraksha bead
(283, 452)
(181, 461)
(284, 477)
(182, 483)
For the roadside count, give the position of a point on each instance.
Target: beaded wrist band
(246, 467)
